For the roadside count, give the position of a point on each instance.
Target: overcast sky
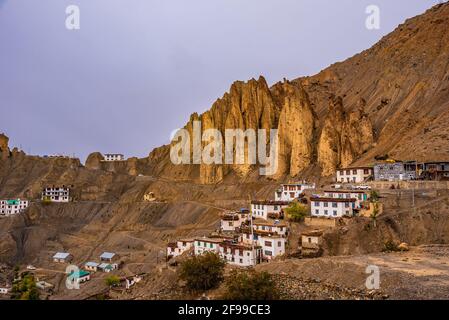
(137, 69)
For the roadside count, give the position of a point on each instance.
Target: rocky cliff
(391, 99)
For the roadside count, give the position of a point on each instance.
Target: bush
(46, 201)
(374, 196)
(296, 212)
(250, 285)
(112, 281)
(202, 272)
(390, 246)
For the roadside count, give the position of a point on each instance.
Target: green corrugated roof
(13, 202)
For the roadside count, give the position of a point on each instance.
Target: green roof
(13, 202)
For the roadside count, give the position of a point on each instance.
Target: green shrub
(202, 272)
(25, 289)
(112, 281)
(250, 285)
(296, 211)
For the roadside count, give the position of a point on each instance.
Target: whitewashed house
(62, 257)
(332, 207)
(290, 192)
(202, 245)
(79, 276)
(241, 255)
(274, 226)
(355, 174)
(56, 194)
(177, 248)
(231, 221)
(359, 196)
(12, 207)
(108, 257)
(110, 157)
(272, 244)
(107, 267)
(5, 289)
(268, 209)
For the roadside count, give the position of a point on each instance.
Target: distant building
(107, 267)
(177, 248)
(12, 207)
(242, 255)
(56, 194)
(62, 257)
(290, 192)
(79, 276)
(268, 209)
(360, 196)
(91, 266)
(392, 171)
(114, 157)
(202, 245)
(5, 289)
(436, 170)
(311, 242)
(272, 244)
(332, 207)
(108, 257)
(275, 226)
(45, 286)
(354, 174)
(232, 221)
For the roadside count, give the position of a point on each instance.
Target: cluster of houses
(111, 157)
(56, 194)
(248, 237)
(391, 170)
(107, 263)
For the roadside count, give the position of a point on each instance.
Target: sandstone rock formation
(4, 147)
(93, 161)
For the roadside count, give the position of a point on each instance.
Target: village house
(62, 257)
(106, 267)
(359, 196)
(241, 255)
(268, 209)
(5, 289)
(231, 221)
(202, 245)
(272, 244)
(128, 282)
(79, 276)
(311, 242)
(56, 194)
(91, 266)
(110, 157)
(12, 207)
(45, 286)
(436, 171)
(391, 171)
(354, 174)
(274, 226)
(290, 192)
(108, 257)
(332, 207)
(177, 248)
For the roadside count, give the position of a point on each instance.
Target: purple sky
(137, 69)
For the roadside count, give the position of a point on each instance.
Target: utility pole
(252, 230)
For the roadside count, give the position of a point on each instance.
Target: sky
(136, 69)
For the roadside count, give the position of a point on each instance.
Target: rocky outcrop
(94, 160)
(344, 137)
(4, 147)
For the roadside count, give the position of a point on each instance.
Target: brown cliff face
(344, 136)
(391, 99)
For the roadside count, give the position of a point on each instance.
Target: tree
(202, 272)
(112, 281)
(296, 212)
(46, 201)
(374, 214)
(250, 285)
(374, 196)
(25, 289)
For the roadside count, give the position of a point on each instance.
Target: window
(276, 208)
(348, 172)
(268, 253)
(241, 260)
(317, 211)
(335, 213)
(325, 212)
(268, 243)
(326, 204)
(334, 205)
(346, 205)
(354, 171)
(279, 244)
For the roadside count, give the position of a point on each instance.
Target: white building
(56, 194)
(202, 245)
(114, 157)
(233, 220)
(108, 257)
(5, 289)
(332, 207)
(272, 244)
(268, 209)
(79, 276)
(274, 226)
(177, 248)
(242, 255)
(107, 267)
(11, 207)
(290, 192)
(354, 174)
(62, 257)
(359, 196)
